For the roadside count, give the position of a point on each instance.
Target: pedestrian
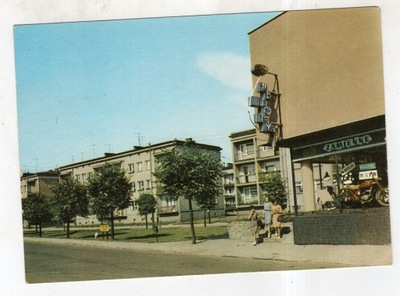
(276, 211)
(267, 215)
(253, 217)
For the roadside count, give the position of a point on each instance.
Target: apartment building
(249, 160)
(40, 182)
(140, 164)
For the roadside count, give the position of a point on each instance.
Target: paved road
(48, 262)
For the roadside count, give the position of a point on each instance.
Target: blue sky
(87, 88)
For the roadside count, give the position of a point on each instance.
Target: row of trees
(107, 191)
(190, 173)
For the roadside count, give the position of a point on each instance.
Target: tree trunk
(209, 216)
(68, 228)
(112, 223)
(146, 220)
(152, 221)
(40, 229)
(205, 217)
(191, 221)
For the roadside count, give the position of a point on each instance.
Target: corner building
(330, 69)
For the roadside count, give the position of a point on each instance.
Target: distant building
(140, 164)
(41, 183)
(249, 160)
(228, 183)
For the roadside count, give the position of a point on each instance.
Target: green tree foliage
(37, 209)
(70, 199)
(274, 186)
(109, 190)
(193, 174)
(147, 205)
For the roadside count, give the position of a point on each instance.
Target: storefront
(331, 93)
(357, 152)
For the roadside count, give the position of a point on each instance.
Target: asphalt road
(46, 262)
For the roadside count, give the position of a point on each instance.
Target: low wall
(240, 230)
(369, 227)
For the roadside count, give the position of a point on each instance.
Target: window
(90, 175)
(299, 187)
(78, 178)
(133, 186)
(249, 195)
(229, 179)
(250, 192)
(229, 191)
(247, 170)
(270, 168)
(140, 166)
(148, 166)
(246, 149)
(148, 183)
(131, 167)
(141, 185)
(84, 177)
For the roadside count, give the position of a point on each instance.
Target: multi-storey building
(249, 160)
(229, 187)
(40, 182)
(140, 164)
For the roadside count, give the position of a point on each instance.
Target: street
(46, 262)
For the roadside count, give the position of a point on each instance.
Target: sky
(87, 88)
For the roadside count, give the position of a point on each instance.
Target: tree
(207, 205)
(70, 200)
(147, 205)
(36, 209)
(109, 190)
(274, 186)
(190, 173)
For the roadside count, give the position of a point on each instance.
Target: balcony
(244, 156)
(246, 179)
(249, 200)
(265, 153)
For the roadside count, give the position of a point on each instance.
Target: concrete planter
(359, 228)
(240, 230)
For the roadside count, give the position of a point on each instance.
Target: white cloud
(228, 68)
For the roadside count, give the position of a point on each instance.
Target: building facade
(140, 164)
(40, 182)
(249, 159)
(331, 109)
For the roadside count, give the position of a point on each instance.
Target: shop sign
(341, 145)
(348, 143)
(348, 168)
(367, 166)
(366, 175)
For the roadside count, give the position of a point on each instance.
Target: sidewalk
(273, 248)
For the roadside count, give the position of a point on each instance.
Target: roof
(137, 149)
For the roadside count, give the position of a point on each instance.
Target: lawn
(137, 234)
